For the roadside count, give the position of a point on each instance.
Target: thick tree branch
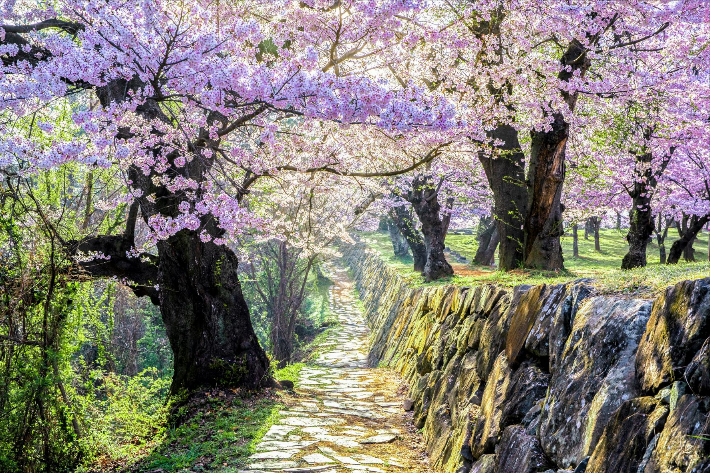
(113, 261)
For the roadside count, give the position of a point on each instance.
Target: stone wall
(546, 378)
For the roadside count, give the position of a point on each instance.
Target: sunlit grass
(603, 267)
(217, 432)
(289, 372)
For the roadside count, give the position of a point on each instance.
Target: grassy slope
(218, 432)
(602, 266)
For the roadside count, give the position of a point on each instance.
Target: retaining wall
(547, 378)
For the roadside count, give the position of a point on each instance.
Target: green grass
(218, 431)
(603, 267)
(289, 373)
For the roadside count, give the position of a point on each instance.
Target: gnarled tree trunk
(399, 243)
(506, 177)
(640, 216)
(546, 173)
(206, 317)
(404, 221)
(425, 201)
(694, 227)
(194, 283)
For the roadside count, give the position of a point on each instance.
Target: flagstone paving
(344, 416)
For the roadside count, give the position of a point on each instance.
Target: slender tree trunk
(484, 223)
(405, 223)
(206, 317)
(587, 228)
(282, 314)
(506, 177)
(399, 243)
(694, 227)
(425, 201)
(661, 233)
(662, 251)
(575, 240)
(618, 221)
(487, 243)
(596, 224)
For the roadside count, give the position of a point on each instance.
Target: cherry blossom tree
(184, 100)
(517, 70)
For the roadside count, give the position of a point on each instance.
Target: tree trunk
(546, 173)
(694, 227)
(484, 223)
(195, 283)
(689, 251)
(640, 216)
(661, 250)
(382, 226)
(399, 243)
(487, 243)
(596, 223)
(661, 234)
(405, 223)
(206, 317)
(618, 221)
(424, 198)
(640, 229)
(587, 228)
(575, 240)
(505, 173)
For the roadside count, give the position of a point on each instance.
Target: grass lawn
(603, 267)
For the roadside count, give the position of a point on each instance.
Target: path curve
(344, 415)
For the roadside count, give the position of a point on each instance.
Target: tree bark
(399, 243)
(683, 227)
(405, 223)
(695, 225)
(618, 221)
(661, 234)
(206, 317)
(546, 173)
(487, 256)
(487, 243)
(640, 216)
(575, 240)
(596, 223)
(425, 201)
(505, 173)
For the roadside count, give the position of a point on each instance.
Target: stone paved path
(344, 416)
